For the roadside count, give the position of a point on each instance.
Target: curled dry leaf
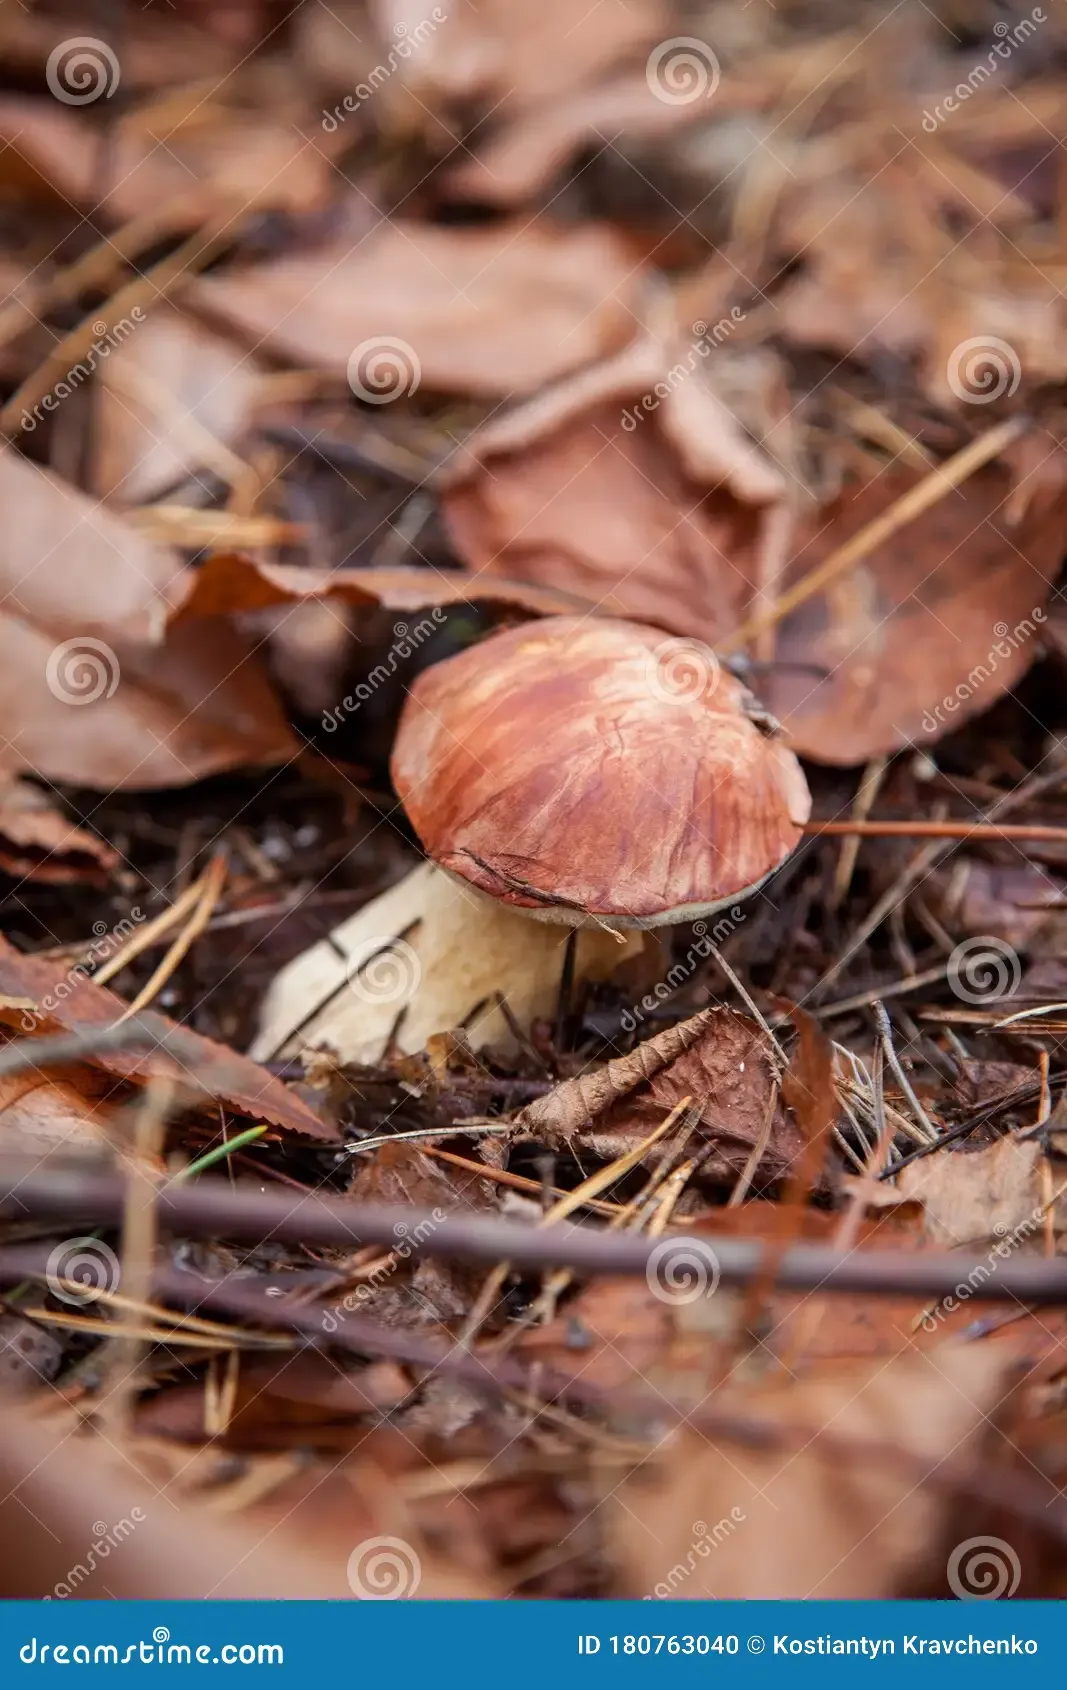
(577, 1102)
(724, 1521)
(89, 692)
(487, 312)
(50, 996)
(229, 584)
(38, 843)
(730, 1073)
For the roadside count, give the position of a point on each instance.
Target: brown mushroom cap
(579, 767)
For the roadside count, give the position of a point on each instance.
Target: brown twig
(211, 1209)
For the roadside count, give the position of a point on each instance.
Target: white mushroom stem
(434, 949)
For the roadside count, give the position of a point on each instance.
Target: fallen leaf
(166, 394)
(726, 1070)
(229, 585)
(63, 998)
(89, 693)
(969, 1197)
(488, 311)
(38, 843)
(725, 1521)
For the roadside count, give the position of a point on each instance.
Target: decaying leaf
(88, 691)
(49, 996)
(997, 1195)
(494, 311)
(38, 843)
(804, 1521)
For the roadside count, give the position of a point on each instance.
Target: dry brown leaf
(61, 998)
(524, 156)
(161, 391)
(928, 630)
(489, 51)
(805, 1521)
(607, 513)
(228, 585)
(997, 1194)
(88, 692)
(37, 842)
(215, 158)
(299, 1544)
(41, 1113)
(486, 312)
(727, 1072)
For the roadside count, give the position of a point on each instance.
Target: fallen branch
(214, 1209)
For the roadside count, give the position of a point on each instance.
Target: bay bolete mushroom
(593, 771)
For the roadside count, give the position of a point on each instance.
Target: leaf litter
(322, 362)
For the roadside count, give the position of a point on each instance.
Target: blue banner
(537, 1645)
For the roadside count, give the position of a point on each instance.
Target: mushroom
(588, 773)
(591, 771)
